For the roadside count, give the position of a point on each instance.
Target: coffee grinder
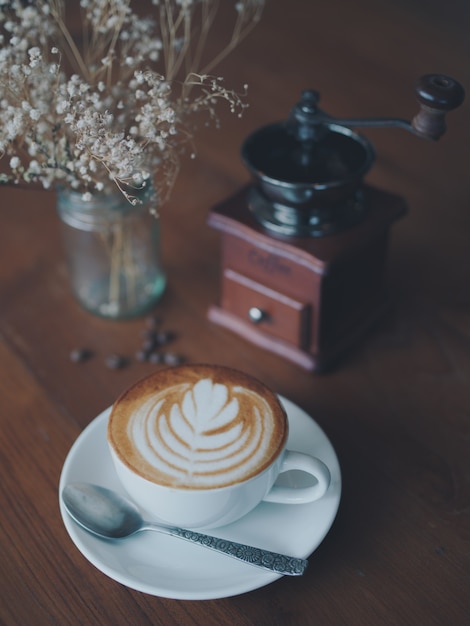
(304, 245)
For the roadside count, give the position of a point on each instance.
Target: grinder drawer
(271, 311)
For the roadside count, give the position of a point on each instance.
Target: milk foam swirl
(202, 434)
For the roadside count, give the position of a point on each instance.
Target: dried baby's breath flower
(122, 106)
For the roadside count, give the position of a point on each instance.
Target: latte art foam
(200, 433)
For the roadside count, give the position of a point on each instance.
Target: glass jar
(112, 251)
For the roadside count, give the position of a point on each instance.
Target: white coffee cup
(243, 420)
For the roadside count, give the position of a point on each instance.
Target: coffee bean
(142, 355)
(79, 355)
(155, 358)
(149, 344)
(171, 358)
(164, 337)
(116, 361)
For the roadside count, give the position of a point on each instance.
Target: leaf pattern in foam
(206, 407)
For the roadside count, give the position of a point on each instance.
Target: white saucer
(172, 568)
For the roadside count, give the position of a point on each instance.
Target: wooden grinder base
(307, 299)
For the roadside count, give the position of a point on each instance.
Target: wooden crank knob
(437, 94)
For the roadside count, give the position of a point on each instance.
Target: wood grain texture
(396, 409)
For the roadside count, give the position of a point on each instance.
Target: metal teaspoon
(107, 514)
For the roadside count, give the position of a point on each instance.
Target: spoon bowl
(101, 511)
(108, 515)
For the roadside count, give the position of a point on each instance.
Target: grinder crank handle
(437, 95)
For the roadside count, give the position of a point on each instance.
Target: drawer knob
(257, 315)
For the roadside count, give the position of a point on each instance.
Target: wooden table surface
(397, 407)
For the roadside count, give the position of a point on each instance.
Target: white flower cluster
(117, 109)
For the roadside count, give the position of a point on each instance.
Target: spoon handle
(279, 563)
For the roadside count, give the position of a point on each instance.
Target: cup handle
(301, 495)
